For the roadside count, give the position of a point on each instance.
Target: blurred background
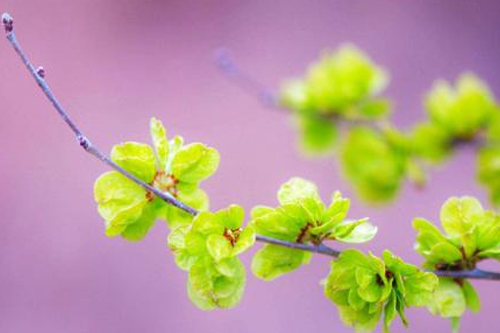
(116, 63)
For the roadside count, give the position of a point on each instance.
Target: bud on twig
(40, 71)
(8, 22)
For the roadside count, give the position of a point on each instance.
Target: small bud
(83, 141)
(8, 22)
(41, 72)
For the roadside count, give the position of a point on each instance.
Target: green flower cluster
(345, 85)
(377, 160)
(342, 84)
(462, 111)
(471, 235)
(128, 209)
(365, 287)
(208, 250)
(456, 114)
(302, 218)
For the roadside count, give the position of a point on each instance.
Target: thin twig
(252, 86)
(84, 142)
(319, 249)
(244, 80)
(476, 273)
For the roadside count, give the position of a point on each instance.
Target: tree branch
(244, 80)
(39, 76)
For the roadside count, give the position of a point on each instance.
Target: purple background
(116, 63)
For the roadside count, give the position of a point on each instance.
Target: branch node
(83, 141)
(8, 23)
(41, 72)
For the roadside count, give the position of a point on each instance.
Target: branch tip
(8, 22)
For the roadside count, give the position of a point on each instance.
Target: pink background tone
(116, 63)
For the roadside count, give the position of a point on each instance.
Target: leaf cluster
(343, 88)
(303, 218)
(343, 84)
(170, 166)
(208, 250)
(365, 287)
(471, 234)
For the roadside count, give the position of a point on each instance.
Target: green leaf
(457, 215)
(203, 303)
(296, 189)
(273, 261)
(390, 312)
(201, 278)
(375, 167)
(365, 321)
(355, 301)
(430, 142)
(206, 223)
(278, 224)
(246, 240)
(491, 253)
(209, 288)
(177, 243)
(487, 231)
(433, 245)
(231, 217)
(332, 219)
(375, 108)
(123, 204)
(160, 142)
(218, 247)
(361, 233)
(136, 158)
(493, 131)
(462, 111)
(472, 299)
(138, 230)
(448, 300)
(194, 163)
(341, 79)
(445, 253)
(317, 134)
(372, 292)
(261, 211)
(420, 287)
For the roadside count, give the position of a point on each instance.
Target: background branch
(243, 80)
